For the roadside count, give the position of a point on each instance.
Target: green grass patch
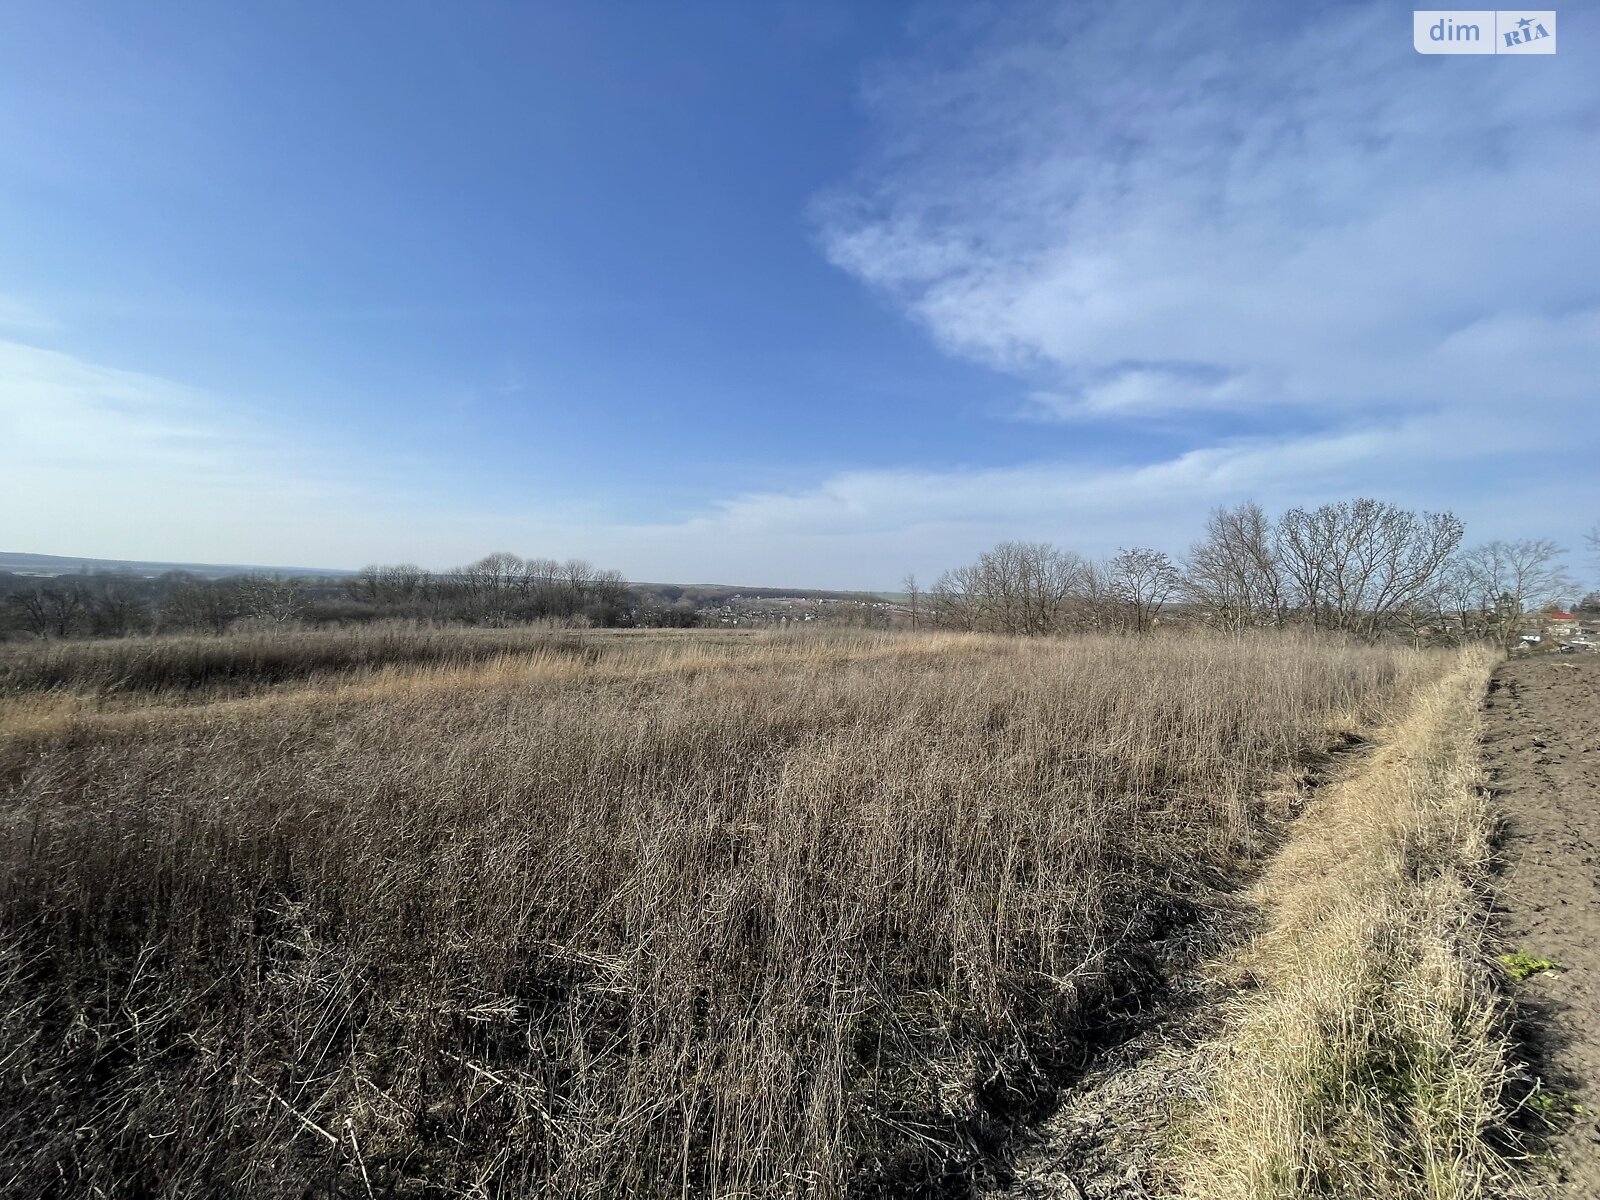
(1519, 964)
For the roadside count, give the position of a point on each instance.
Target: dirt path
(1542, 750)
(1107, 1138)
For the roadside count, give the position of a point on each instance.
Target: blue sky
(812, 293)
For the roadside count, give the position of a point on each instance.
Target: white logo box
(1483, 31)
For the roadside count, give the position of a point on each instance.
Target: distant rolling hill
(55, 564)
(45, 565)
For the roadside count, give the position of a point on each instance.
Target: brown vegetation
(616, 914)
(1359, 567)
(1369, 1055)
(244, 661)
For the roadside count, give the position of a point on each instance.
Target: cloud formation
(120, 464)
(1147, 210)
(1265, 252)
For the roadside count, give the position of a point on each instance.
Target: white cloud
(1149, 209)
(57, 411)
(865, 528)
(123, 465)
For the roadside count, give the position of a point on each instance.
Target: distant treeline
(1360, 567)
(498, 590)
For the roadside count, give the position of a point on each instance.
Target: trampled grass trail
(1370, 1058)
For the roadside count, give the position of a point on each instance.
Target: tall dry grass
(1371, 1059)
(262, 657)
(672, 916)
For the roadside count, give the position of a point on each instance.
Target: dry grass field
(1369, 1058)
(525, 913)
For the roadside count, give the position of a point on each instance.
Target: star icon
(1524, 23)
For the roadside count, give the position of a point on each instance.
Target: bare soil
(1542, 751)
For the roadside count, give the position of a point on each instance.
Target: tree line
(1360, 567)
(496, 590)
(499, 589)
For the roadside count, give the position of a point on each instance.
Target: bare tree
(114, 608)
(1356, 564)
(202, 605)
(1505, 580)
(1018, 588)
(49, 610)
(913, 593)
(543, 576)
(401, 583)
(500, 589)
(366, 585)
(1458, 600)
(952, 604)
(544, 571)
(1234, 571)
(271, 598)
(606, 597)
(488, 589)
(1142, 580)
(577, 575)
